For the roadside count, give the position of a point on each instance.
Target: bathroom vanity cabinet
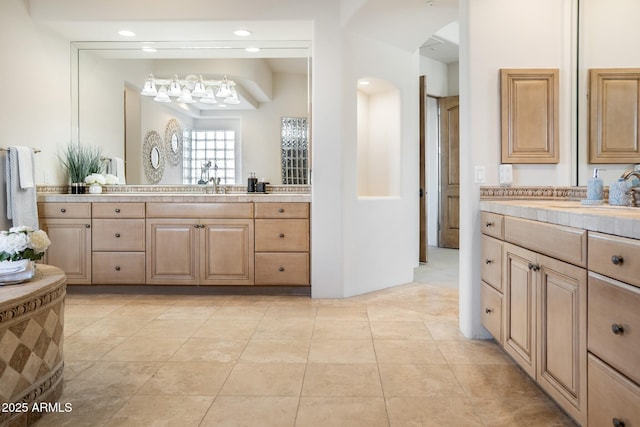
(569, 299)
(158, 240)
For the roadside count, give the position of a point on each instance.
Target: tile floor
(389, 358)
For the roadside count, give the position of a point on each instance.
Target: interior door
(423, 257)
(449, 172)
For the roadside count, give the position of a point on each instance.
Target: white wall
(486, 47)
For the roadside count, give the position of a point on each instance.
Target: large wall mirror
(110, 111)
(608, 35)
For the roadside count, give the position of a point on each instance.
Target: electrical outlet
(479, 174)
(505, 175)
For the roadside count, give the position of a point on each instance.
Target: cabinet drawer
(118, 235)
(491, 264)
(612, 305)
(118, 210)
(199, 210)
(613, 256)
(491, 314)
(115, 268)
(492, 224)
(565, 243)
(611, 396)
(282, 210)
(64, 210)
(282, 235)
(282, 269)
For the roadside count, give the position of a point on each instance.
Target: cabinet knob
(117, 210)
(488, 310)
(87, 226)
(490, 224)
(281, 269)
(201, 225)
(534, 267)
(617, 260)
(617, 422)
(281, 210)
(117, 268)
(488, 261)
(117, 234)
(196, 225)
(63, 210)
(281, 235)
(617, 329)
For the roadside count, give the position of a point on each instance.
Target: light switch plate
(505, 175)
(479, 174)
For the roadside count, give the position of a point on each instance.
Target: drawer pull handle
(488, 310)
(196, 226)
(617, 422)
(281, 269)
(117, 210)
(281, 210)
(617, 329)
(117, 268)
(63, 210)
(490, 224)
(87, 226)
(117, 234)
(488, 261)
(281, 235)
(534, 267)
(617, 260)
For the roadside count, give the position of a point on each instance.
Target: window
(295, 150)
(215, 146)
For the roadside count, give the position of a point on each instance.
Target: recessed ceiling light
(149, 49)
(127, 33)
(222, 105)
(253, 49)
(364, 82)
(242, 33)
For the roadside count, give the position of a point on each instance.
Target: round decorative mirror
(173, 142)
(153, 157)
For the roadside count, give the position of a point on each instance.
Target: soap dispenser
(594, 190)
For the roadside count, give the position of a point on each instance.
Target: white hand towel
(117, 169)
(22, 207)
(25, 166)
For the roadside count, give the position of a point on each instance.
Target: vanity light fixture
(185, 90)
(126, 33)
(252, 49)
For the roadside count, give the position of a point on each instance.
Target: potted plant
(19, 248)
(80, 162)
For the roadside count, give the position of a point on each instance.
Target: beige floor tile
(89, 348)
(237, 411)
(227, 328)
(139, 310)
(342, 351)
(188, 379)
(142, 410)
(170, 328)
(342, 312)
(113, 327)
(241, 312)
(264, 379)
(90, 310)
(419, 380)
(443, 328)
(183, 311)
(385, 312)
(210, 350)
(139, 349)
(474, 352)
(322, 379)
(75, 324)
(276, 351)
(111, 379)
(329, 329)
(432, 412)
(539, 412)
(73, 368)
(394, 330)
(86, 410)
(284, 311)
(495, 381)
(284, 328)
(408, 351)
(342, 411)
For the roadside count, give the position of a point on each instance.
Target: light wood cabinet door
(227, 248)
(530, 115)
(562, 334)
(520, 305)
(70, 248)
(614, 114)
(173, 252)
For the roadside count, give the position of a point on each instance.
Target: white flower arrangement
(111, 179)
(95, 178)
(23, 243)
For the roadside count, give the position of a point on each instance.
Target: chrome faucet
(629, 173)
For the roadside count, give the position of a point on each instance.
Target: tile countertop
(177, 197)
(617, 220)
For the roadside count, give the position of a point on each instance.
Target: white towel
(22, 206)
(117, 169)
(25, 166)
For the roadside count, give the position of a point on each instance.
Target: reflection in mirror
(155, 157)
(173, 140)
(271, 85)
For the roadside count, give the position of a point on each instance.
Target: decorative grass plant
(81, 161)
